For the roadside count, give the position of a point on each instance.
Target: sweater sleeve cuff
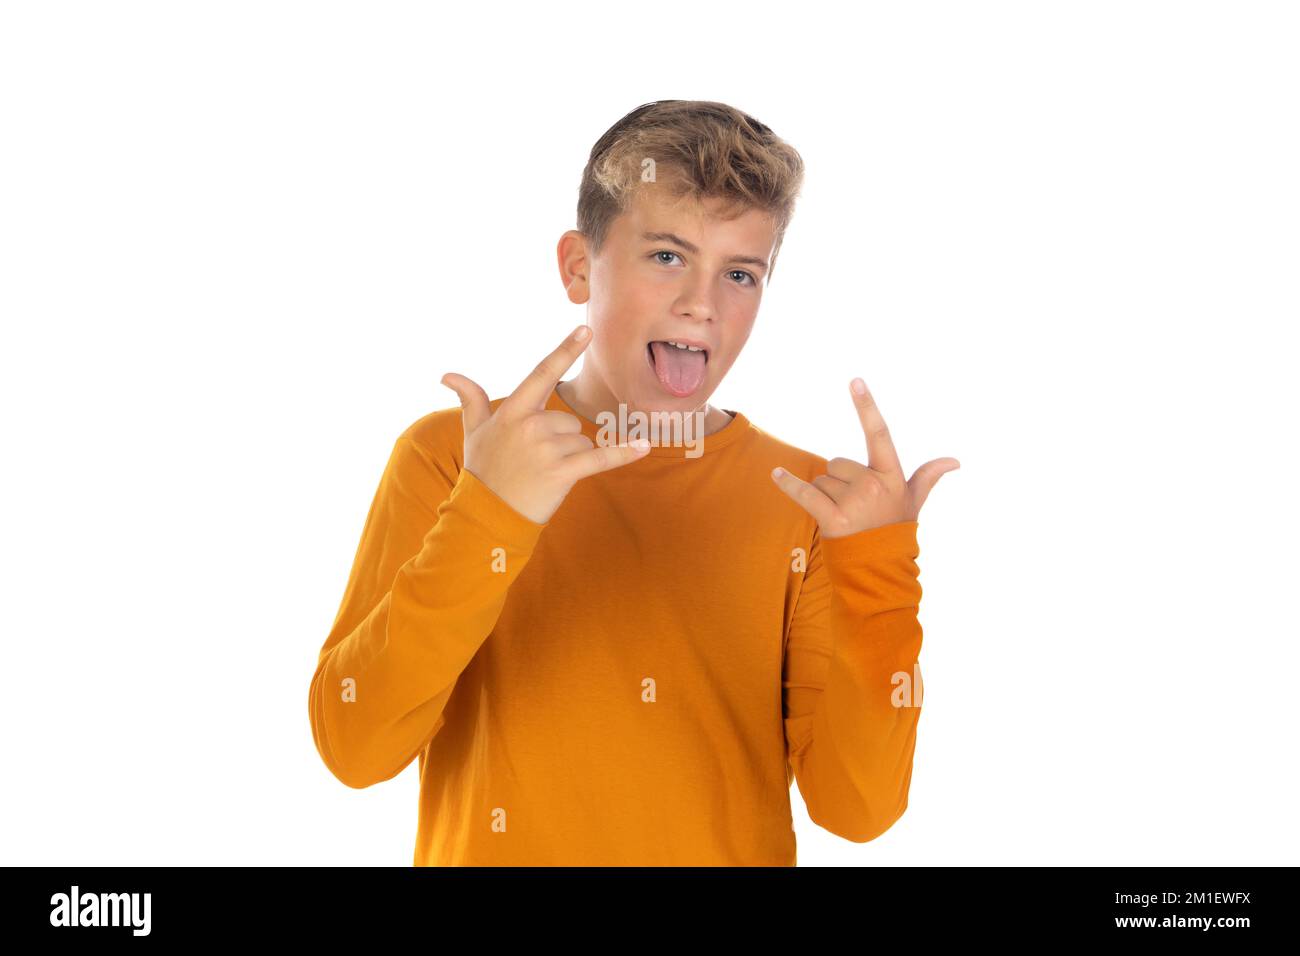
(875, 570)
(477, 503)
(885, 543)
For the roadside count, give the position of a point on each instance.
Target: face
(671, 270)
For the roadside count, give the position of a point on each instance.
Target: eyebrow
(692, 248)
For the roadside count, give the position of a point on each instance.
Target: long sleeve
(850, 702)
(426, 589)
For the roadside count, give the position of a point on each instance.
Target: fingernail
(778, 472)
(640, 444)
(859, 386)
(581, 334)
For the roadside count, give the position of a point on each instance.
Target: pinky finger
(584, 464)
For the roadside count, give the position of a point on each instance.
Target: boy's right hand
(529, 455)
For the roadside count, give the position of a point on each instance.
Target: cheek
(618, 339)
(624, 325)
(618, 303)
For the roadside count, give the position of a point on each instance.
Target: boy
(605, 654)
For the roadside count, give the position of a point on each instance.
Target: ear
(572, 256)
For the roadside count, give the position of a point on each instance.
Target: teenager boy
(610, 655)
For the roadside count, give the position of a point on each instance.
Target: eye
(734, 272)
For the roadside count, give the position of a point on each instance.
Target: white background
(241, 242)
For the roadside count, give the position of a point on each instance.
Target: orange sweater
(636, 682)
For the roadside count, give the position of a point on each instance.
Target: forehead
(708, 222)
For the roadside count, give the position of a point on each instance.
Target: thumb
(925, 478)
(474, 403)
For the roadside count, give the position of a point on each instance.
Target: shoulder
(798, 461)
(436, 432)
(440, 437)
(442, 431)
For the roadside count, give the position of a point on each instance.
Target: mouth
(679, 365)
(691, 343)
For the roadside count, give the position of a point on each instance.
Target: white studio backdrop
(241, 243)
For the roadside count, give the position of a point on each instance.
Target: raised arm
(427, 587)
(851, 689)
(852, 694)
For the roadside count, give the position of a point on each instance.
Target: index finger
(880, 447)
(533, 391)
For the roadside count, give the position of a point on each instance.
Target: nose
(696, 301)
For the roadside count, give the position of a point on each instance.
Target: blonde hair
(701, 150)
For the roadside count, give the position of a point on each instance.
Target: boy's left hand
(853, 497)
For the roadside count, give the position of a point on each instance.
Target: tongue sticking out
(680, 370)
